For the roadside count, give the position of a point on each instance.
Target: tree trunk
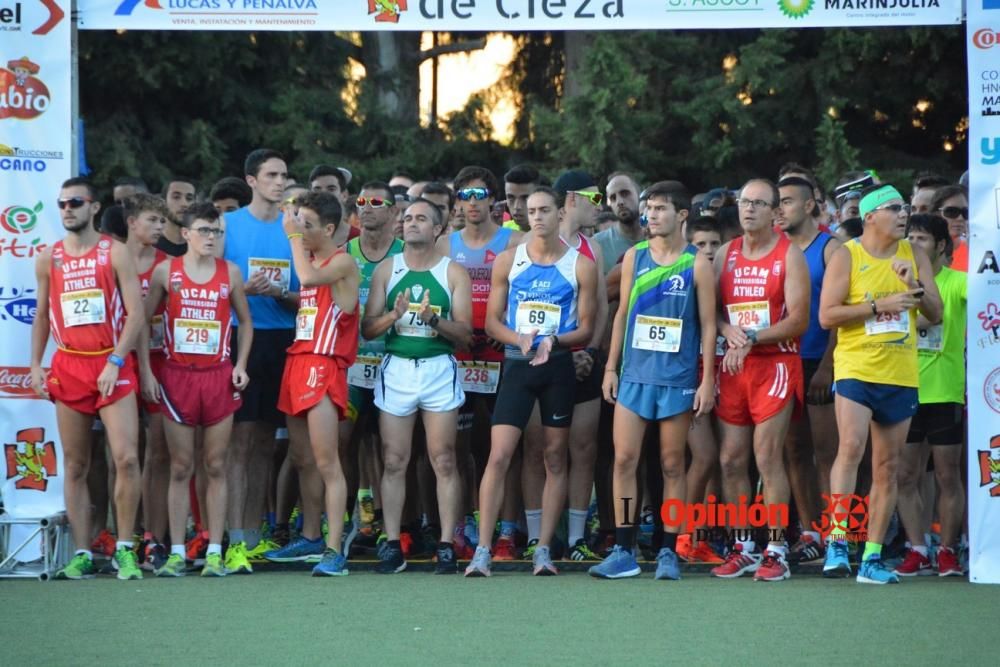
(577, 43)
(392, 64)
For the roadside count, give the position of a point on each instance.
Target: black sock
(625, 537)
(445, 545)
(394, 543)
(669, 541)
(656, 541)
(378, 515)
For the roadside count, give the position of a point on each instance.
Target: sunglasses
(595, 197)
(374, 202)
(953, 212)
(473, 194)
(73, 202)
(206, 232)
(895, 208)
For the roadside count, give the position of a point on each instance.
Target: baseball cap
(573, 180)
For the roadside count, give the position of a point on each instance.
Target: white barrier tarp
(984, 291)
(35, 152)
(508, 15)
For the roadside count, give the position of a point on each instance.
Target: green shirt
(941, 348)
(410, 337)
(366, 268)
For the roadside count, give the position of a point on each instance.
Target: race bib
(884, 323)
(410, 323)
(279, 271)
(930, 339)
(156, 333)
(305, 322)
(544, 317)
(479, 377)
(197, 336)
(755, 315)
(657, 334)
(364, 372)
(83, 307)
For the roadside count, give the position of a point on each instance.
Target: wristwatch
(433, 322)
(752, 335)
(284, 293)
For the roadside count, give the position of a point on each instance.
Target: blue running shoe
(874, 571)
(666, 565)
(332, 564)
(836, 563)
(619, 564)
(471, 530)
(297, 550)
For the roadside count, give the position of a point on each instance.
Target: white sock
(126, 545)
(922, 549)
(86, 552)
(814, 535)
(748, 545)
(577, 523)
(214, 548)
(780, 549)
(534, 519)
(178, 550)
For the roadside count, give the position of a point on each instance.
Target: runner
(199, 387)
(951, 202)
(179, 193)
(542, 303)
(764, 301)
(811, 445)
(430, 314)
(314, 384)
(475, 247)
(660, 331)
(871, 290)
(518, 184)
(87, 285)
(939, 424)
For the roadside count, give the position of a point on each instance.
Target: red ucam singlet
(753, 292)
(321, 327)
(86, 310)
(156, 326)
(196, 321)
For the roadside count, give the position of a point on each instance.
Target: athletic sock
(86, 552)
(213, 548)
(656, 541)
(507, 528)
(922, 550)
(780, 549)
(124, 545)
(625, 537)
(669, 540)
(534, 519)
(813, 534)
(872, 550)
(236, 536)
(748, 545)
(252, 538)
(271, 520)
(178, 550)
(577, 524)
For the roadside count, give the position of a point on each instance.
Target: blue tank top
(479, 263)
(260, 245)
(541, 296)
(814, 341)
(662, 328)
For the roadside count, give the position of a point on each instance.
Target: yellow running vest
(882, 348)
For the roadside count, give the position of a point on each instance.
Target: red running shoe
(914, 565)
(504, 549)
(406, 542)
(737, 563)
(948, 565)
(105, 544)
(772, 568)
(196, 547)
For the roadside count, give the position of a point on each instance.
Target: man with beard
(623, 198)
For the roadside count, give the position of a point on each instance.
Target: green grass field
(289, 618)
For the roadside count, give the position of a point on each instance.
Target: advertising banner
(984, 290)
(35, 158)
(499, 15)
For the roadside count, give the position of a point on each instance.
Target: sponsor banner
(984, 290)
(493, 15)
(35, 158)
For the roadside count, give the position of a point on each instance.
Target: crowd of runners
(484, 369)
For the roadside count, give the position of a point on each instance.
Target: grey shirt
(613, 246)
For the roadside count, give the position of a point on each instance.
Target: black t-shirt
(171, 248)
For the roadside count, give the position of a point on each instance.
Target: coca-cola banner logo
(15, 382)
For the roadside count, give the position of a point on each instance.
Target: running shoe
(874, 571)
(704, 553)
(281, 535)
(619, 564)
(366, 503)
(504, 549)
(446, 563)
(348, 536)
(772, 567)
(685, 549)
(81, 566)
(541, 562)
(837, 563)
(174, 566)
(914, 565)
(196, 547)
(104, 544)
(947, 562)
(529, 551)
(582, 552)
(236, 559)
(380, 541)
(737, 564)
(406, 542)
(297, 551)
(257, 554)
(480, 565)
(472, 529)
(127, 564)
(155, 556)
(214, 566)
(391, 560)
(667, 566)
(805, 550)
(332, 564)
